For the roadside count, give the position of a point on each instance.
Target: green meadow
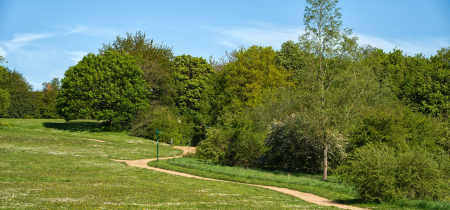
(51, 164)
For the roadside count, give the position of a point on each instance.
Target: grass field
(50, 164)
(333, 189)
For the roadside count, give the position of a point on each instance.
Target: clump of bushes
(398, 126)
(294, 145)
(234, 143)
(162, 118)
(382, 173)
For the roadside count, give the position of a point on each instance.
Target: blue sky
(42, 39)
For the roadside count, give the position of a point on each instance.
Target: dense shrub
(163, 119)
(398, 126)
(233, 147)
(294, 145)
(233, 142)
(380, 173)
(23, 104)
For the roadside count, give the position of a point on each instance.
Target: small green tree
(104, 87)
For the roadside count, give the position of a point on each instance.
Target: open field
(333, 189)
(50, 164)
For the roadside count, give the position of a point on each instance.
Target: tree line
(323, 104)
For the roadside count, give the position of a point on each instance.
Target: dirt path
(304, 196)
(94, 140)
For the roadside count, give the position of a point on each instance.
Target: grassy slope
(332, 189)
(45, 164)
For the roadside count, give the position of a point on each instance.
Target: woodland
(320, 105)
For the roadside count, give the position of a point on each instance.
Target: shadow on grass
(351, 201)
(87, 126)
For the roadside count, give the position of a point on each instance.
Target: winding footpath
(304, 196)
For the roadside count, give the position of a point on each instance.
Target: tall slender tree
(330, 48)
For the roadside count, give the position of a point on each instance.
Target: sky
(42, 39)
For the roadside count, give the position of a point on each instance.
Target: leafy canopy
(104, 87)
(154, 59)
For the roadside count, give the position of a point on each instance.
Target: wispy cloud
(76, 56)
(77, 29)
(258, 33)
(427, 46)
(3, 52)
(21, 40)
(267, 34)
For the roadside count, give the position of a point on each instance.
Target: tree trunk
(325, 162)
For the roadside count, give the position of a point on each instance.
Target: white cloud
(77, 29)
(411, 47)
(267, 34)
(259, 33)
(3, 52)
(21, 40)
(76, 56)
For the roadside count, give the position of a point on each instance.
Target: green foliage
(233, 147)
(104, 87)
(245, 81)
(421, 82)
(48, 98)
(294, 145)
(4, 102)
(191, 77)
(13, 80)
(23, 104)
(330, 81)
(234, 141)
(154, 59)
(163, 119)
(398, 126)
(380, 173)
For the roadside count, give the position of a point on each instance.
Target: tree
(421, 82)
(245, 80)
(329, 69)
(47, 99)
(154, 59)
(22, 102)
(4, 94)
(105, 87)
(191, 75)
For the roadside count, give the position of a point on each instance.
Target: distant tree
(422, 83)
(154, 59)
(191, 75)
(47, 99)
(245, 81)
(105, 87)
(54, 84)
(4, 94)
(22, 100)
(291, 57)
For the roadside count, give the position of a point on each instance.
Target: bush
(163, 119)
(398, 126)
(294, 145)
(232, 147)
(380, 173)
